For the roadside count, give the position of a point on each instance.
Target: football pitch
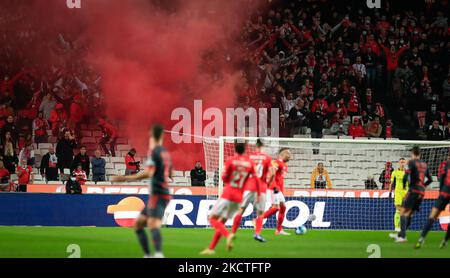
(57, 242)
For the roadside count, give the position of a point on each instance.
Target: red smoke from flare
(152, 60)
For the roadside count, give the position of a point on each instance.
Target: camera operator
(73, 185)
(132, 166)
(198, 175)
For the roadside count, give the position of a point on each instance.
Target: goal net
(356, 196)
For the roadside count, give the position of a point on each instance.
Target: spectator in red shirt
(3, 114)
(109, 136)
(76, 114)
(4, 178)
(40, 126)
(80, 174)
(320, 104)
(27, 153)
(356, 129)
(132, 166)
(25, 174)
(392, 57)
(58, 119)
(353, 104)
(7, 85)
(389, 126)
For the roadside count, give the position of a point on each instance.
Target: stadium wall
(113, 210)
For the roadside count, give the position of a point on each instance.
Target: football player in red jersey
(236, 173)
(263, 171)
(276, 186)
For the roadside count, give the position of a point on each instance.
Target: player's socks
(409, 222)
(219, 226)
(258, 225)
(215, 240)
(403, 226)
(270, 212)
(427, 227)
(236, 223)
(157, 240)
(280, 220)
(143, 241)
(397, 220)
(446, 238)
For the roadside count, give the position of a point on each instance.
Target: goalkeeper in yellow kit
(400, 191)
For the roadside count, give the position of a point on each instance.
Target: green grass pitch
(52, 242)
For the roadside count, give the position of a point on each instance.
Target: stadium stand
(293, 50)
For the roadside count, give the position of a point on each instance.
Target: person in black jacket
(64, 150)
(370, 183)
(73, 186)
(49, 165)
(297, 118)
(435, 133)
(385, 176)
(8, 153)
(316, 124)
(198, 175)
(10, 127)
(81, 159)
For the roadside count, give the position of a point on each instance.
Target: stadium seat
(86, 133)
(117, 159)
(123, 148)
(119, 166)
(40, 182)
(55, 183)
(104, 183)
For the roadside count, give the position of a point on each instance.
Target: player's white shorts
(225, 209)
(276, 198)
(251, 197)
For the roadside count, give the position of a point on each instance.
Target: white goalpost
(352, 165)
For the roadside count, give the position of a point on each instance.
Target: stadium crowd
(330, 69)
(47, 88)
(351, 71)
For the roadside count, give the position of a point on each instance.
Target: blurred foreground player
(256, 186)
(276, 184)
(158, 168)
(442, 201)
(236, 173)
(419, 178)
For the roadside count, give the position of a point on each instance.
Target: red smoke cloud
(152, 59)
